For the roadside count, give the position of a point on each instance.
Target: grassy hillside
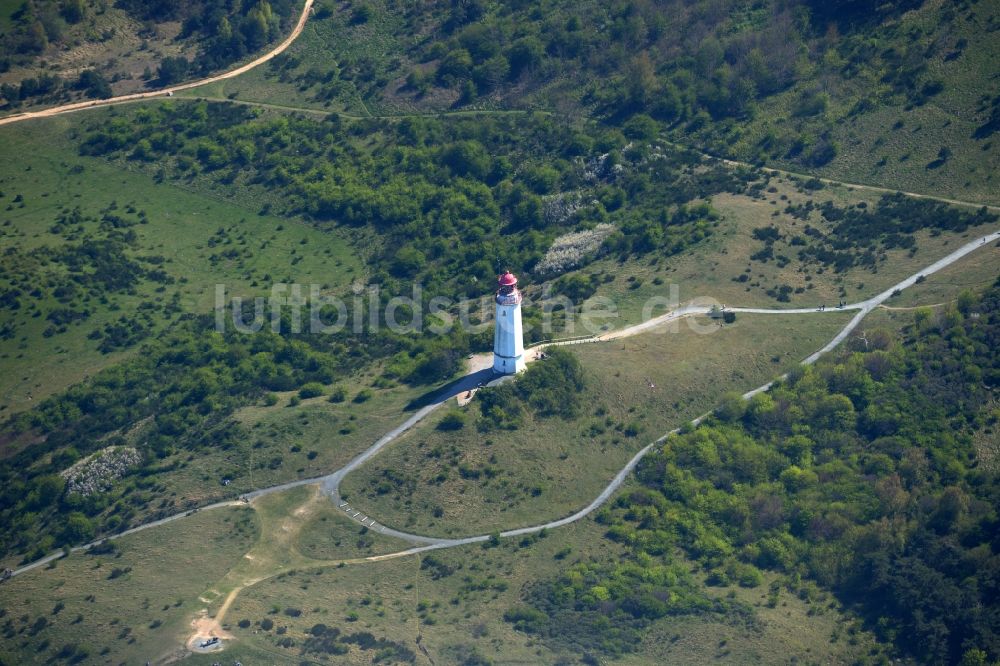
(456, 478)
(442, 202)
(434, 144)
(828, 476)
(132, 601)
(163, 248)
(454, 199)
(903, 96)
(447, 607)
(176, 427)
(457, 604)
(56, 51)
(734, 266)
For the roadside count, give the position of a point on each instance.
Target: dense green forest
(867, 475)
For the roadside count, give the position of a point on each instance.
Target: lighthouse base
(508, 365)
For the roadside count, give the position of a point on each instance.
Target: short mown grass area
(127, 606)
(329, 534)
(462, 482)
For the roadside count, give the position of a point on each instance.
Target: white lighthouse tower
(508, 346)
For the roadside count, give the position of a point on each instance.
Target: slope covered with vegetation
(171, 403)
(863, 475)
(450, 200)
(901, 95)
(453, 201)
(448, 139)
(441, 202)
(53, 51)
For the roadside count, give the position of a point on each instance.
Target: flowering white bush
(601, 168)
(557, 209)
(97, 473)
(573, 250)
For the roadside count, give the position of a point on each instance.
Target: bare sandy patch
(204, 628)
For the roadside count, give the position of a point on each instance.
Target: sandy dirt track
(166, 92)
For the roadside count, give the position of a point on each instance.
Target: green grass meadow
(710, 268)
(44, 169)
(128, 607)
(280, 571)
(451, 602)
(468, 482)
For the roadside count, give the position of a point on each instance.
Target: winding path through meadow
(330, 483)
(481, 374)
